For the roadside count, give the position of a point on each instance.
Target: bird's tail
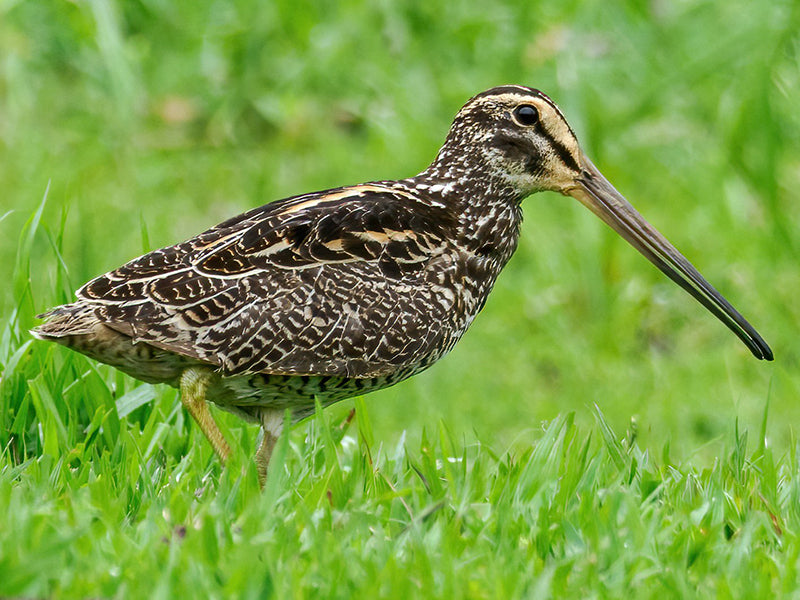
(65, 321)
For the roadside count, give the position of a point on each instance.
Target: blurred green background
(152, 120)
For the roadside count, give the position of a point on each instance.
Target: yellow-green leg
(271, 427)
(194, 383)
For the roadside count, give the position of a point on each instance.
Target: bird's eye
(525, 114)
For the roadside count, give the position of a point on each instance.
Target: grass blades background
(588, 437)
(571, 516)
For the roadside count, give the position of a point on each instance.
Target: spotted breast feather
(331, 283)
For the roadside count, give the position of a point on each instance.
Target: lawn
(596, 434)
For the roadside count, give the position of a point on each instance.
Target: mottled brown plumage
(336, 293)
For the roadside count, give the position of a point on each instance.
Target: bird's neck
(468, 179)
(487, 208)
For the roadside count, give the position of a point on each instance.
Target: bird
(337, 293)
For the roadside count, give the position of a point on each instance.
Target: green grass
(128, 126)
(572, 515)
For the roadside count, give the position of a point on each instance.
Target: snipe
(338, 293)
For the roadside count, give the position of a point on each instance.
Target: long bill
(596, 193)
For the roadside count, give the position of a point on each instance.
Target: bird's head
(517, 138)
(517, 135)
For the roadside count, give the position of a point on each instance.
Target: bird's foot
(194, 383)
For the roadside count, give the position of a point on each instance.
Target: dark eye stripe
(527, 115)
(560, 148)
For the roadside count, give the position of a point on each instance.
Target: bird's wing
(291, 287)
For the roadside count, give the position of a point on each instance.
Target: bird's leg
(194, 383)
(271, 427)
